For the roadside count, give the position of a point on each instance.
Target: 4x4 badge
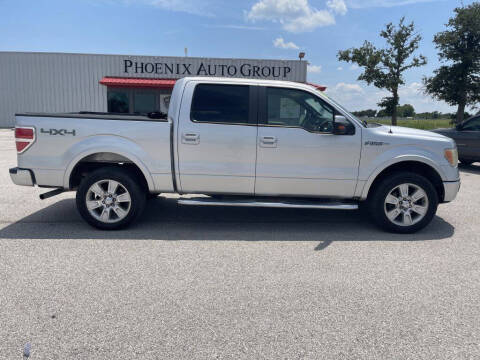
(61, 132)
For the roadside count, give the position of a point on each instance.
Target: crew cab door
(297, 153)
(216, 138)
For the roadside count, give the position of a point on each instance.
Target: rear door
(217, 138)
(297, 153)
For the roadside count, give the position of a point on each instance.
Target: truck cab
(272, 140)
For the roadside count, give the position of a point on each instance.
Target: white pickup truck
(240, 142)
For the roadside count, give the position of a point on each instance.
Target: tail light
(24, 138)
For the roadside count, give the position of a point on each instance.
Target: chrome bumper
(22, 177)
(451, 189)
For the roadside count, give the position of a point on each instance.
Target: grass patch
(423, 124)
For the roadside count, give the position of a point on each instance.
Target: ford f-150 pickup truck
(238, 142)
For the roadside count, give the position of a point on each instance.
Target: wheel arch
(417, 166)
(109, 150)
(90, 161)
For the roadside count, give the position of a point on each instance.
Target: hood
(404, 131)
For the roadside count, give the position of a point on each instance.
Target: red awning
(318, 87)
(138, 82)
(158, 83)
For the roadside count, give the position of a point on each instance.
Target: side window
(297, 108)
(472, 125)
(228, 104)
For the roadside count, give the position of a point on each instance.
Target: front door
(217, 139)
(297, 153)
(468, 139)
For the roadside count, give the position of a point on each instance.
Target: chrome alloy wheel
(406, 204)
(108, 201)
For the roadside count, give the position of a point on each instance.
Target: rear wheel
(404, 203)
(110, 199)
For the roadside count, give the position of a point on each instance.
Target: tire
(466, 162)
(409, 215)
(110, 212)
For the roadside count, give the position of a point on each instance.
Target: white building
(59, 82)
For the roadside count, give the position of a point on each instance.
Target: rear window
(217, 103)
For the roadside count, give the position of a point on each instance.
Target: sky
(270, 29)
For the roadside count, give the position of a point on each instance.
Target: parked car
(467, 137)
(242, 142)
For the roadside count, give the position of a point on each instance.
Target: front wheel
(110, 199)
(404, 203)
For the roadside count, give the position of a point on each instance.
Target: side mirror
(341, 126)
(459, 127)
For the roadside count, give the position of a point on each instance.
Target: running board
(298, 204)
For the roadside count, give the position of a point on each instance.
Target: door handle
(268, 141)
(190, 138)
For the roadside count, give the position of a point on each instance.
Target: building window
(145, 102)
(220, 104)
(139, 101)
(118, 101)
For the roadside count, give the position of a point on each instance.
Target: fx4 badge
(61, 132)
(376, 143)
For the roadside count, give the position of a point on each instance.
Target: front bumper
(22, 177)
(451, 189)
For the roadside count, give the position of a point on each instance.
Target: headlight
(452, 156)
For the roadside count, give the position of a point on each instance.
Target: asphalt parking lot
(235, 283)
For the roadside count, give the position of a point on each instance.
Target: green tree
(458, 81)
(383, 113)
(402, 111)
(366, 113)
(406, 110)
(454, 116)
(384, 68)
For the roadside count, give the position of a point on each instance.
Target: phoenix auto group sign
(204, 68)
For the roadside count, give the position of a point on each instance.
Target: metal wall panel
(58, 82)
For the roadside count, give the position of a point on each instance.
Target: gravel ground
(233, 283)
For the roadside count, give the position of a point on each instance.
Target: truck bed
(62, 140)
